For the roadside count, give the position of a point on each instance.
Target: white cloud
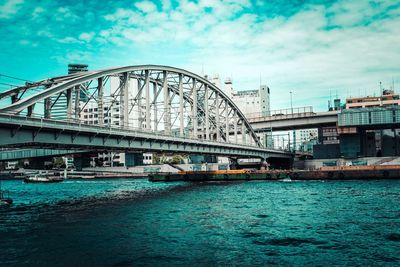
(37, 12)
(86, 36)
(302, 53)
(8, 8)
(65, 13)
(68, 40)
(146, 6)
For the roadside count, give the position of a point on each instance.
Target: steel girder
(190, 103)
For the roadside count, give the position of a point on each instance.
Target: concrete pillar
(100, 107)
(133, 159)
(181, 122)
(81, 161)
(123, 100)
(167, 105)
(206, 112)
(147, 96)
(194, 108)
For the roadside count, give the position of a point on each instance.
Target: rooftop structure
(388, 98)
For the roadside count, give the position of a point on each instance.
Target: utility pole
(291, 102)
(294, 131)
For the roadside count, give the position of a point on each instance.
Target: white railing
(282, 113)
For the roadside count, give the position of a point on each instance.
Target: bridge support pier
(199, 159)
(39, 163)
(81, 161)
(133, 159)
(280, 163)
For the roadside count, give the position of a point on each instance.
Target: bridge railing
(282, 113)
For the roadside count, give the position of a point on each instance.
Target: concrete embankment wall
(318, 163)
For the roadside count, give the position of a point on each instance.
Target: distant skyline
(313, 48)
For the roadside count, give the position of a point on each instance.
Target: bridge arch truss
(144, 98)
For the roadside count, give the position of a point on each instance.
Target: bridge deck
(17, 131)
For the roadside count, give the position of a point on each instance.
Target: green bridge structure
(133, 109)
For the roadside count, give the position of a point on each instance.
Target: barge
(220, 175)
(324, 173)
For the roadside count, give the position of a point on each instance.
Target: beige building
(388, 98)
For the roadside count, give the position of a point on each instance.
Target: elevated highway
(286, 122)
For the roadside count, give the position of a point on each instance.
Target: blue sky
(313, 48)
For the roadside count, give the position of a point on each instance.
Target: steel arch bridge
(146, 99)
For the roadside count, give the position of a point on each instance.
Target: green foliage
(59, 163)
(162, 159)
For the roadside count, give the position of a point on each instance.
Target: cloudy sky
(314, 48)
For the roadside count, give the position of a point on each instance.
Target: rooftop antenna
(392, 83)
(380, 86)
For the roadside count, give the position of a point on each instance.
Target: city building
(388, 98)
(111, 112)
(306, 139)
(253, 103)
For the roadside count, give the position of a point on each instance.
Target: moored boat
(43, 179)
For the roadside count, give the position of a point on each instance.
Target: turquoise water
(134, 222)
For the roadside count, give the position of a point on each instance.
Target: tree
(59, 163)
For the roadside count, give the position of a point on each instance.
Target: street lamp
(294, 131)
(291, 102)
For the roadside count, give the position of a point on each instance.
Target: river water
(127, 222)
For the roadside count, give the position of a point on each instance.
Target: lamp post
(294, 131)
(291, 102)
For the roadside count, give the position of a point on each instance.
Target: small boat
(43, 179)
(5, 199)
